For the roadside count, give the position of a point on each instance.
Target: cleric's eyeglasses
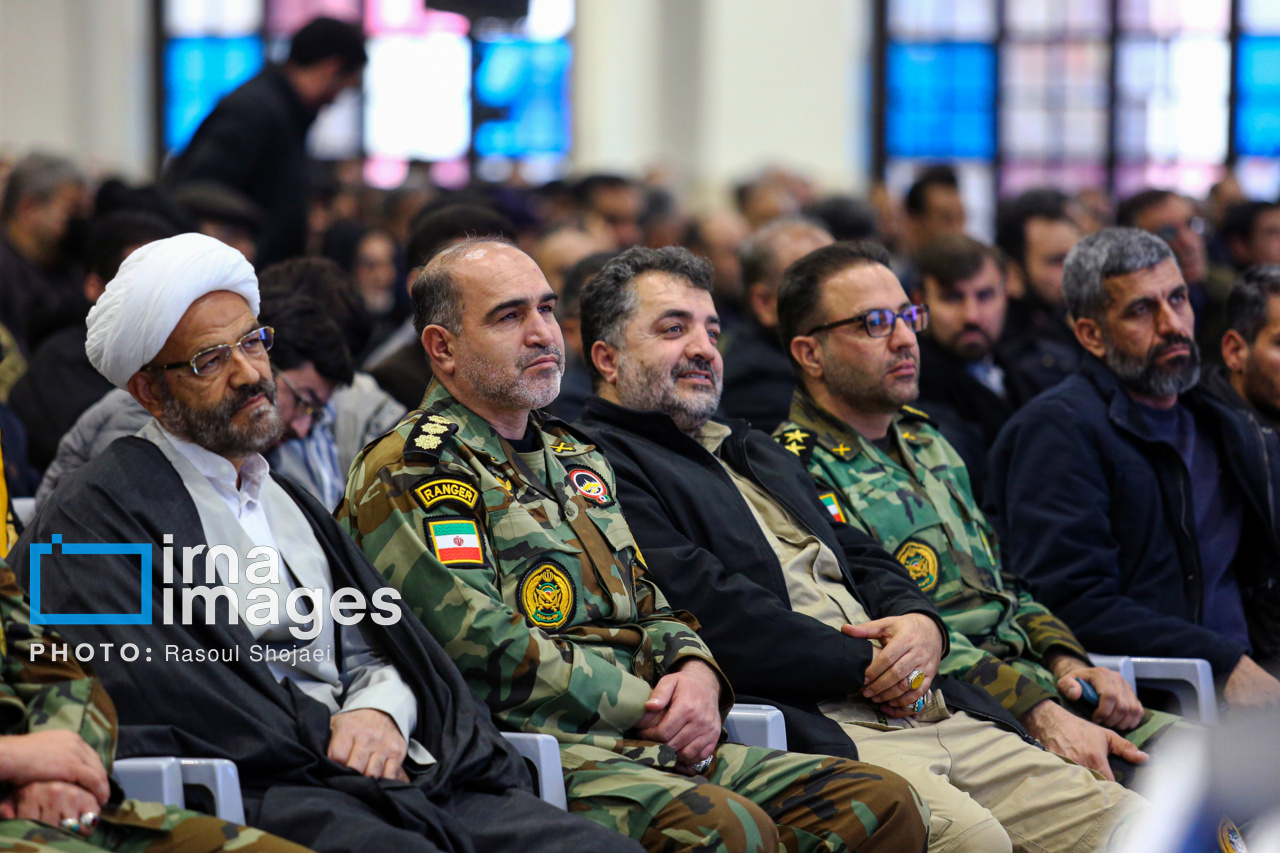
(210, 361)
(879, 322)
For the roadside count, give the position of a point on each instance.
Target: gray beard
(651, 389)
(514, 393)
(1146, 377)
(213, 428)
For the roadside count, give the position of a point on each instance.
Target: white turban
(155, 286)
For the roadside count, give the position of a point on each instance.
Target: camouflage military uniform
(41, 694)
(524, 569)
(918, 503)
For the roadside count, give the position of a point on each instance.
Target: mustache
(699, 364)
(1174, 340)
(540, 352)
(236, 399)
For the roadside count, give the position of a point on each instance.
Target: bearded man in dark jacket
(1140, 507)
(800, 609)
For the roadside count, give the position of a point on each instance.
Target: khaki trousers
(989, 791)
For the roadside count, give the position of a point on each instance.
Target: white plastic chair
(161, 779)
(1190, 679)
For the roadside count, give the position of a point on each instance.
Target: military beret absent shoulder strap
(426, 439)
(911, 413)
(799, 441)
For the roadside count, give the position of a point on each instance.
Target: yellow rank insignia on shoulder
(832, 504)
(547, 595)
(447, 489)
(921, 562)
(914, 411)
(427, 442)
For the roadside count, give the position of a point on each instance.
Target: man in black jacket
(802, 610)
(1140, 507)
(255, 140)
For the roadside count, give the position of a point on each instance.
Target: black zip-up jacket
(1096, 514)
(702, 545)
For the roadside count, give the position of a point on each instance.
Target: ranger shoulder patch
(443, 489)
(456, 541)
(921, 562)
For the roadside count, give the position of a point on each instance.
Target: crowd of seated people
(599, 466)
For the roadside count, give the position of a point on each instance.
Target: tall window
(490, 96)
(1112, 94)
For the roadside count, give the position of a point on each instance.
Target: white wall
(75, 79)
(715, 89)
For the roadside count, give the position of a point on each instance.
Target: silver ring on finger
(701, 766)
(917, 705)
(70, 824)
(915, 679)
(89, 820)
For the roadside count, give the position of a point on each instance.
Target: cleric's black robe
(475, 797)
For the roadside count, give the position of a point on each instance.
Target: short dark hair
(1102, 255)
(112, 235)
(434, 228)
(1135, 205)
(801, 289)
(326, 283)
(587, 187)
(1239, 220)
(324, 38)
(37, 176)
(576, 278)
(609, 299)
(305, 333)
(1013, 215)
(1249, 301)
(435, 296)
(954, 258)
(939, 175)
(845, 217)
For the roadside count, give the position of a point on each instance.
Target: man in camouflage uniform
(57, 740)
(501, 530)
(882, 466)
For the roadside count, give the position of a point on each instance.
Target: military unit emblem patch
(590, 485)
(456, 541)
(547, 595)
(921, 563)
(832, 504)
(447, 489)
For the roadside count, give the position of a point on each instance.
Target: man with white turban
(279, 649)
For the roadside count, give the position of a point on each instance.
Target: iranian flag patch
(456, 541)
(833, 507)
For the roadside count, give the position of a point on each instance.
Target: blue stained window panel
(941, 100)
(1257, 113)
(198, 72)
(521, 91)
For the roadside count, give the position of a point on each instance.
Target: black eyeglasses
(879, 322)
(308, 403)
(210, 361)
